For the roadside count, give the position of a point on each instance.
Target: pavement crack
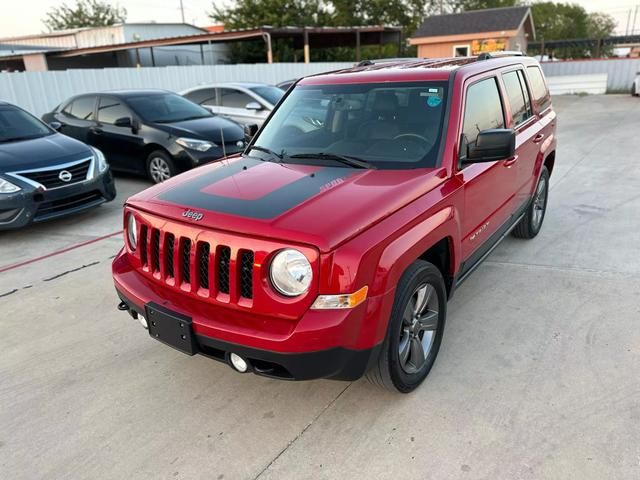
(70, 271)
(560, 268)
(295, 439)
(6, 294)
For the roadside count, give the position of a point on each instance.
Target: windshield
(390, 126)
(16, 124)
(166, 108)
(269, 93)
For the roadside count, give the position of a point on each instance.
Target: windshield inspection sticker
(434, 97)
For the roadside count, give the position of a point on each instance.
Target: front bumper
(321, 344)
(31, 205)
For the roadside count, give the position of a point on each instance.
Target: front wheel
(160, 166)
(415, 330)
(531, 223)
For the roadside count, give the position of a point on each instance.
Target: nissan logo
(65, 176)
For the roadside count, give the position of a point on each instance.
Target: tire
(160, 166)
(391, 371)
(531, 223)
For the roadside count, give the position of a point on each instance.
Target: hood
(41, 152)
(207, 128)
(314, 205)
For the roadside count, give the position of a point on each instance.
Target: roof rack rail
(505, 53)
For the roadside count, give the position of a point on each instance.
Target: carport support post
(357, 44)
(267, 39)
(307, 56)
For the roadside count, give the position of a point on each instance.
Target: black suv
(151, 132)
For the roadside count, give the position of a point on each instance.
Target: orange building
(474, 32)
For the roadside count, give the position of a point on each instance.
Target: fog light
(238, 363)
(143, 322)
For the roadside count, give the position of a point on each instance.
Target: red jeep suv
(330, 246)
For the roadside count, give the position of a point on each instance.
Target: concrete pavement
(538, 375)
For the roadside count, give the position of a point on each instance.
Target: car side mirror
(253, 106)
(249, 131)
(55, 125)
(492, 145)
(124, 122)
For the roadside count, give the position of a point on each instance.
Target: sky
(24, 17)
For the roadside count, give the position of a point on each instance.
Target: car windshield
(166, 108)
(16, 124)
(269, 93)
(389, 126)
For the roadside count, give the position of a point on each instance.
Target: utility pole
(628, 21)
(633, 25)
(182, 12)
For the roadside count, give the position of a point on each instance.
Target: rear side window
(81, 108)
(541, 96)
(482, 111)
(203, 96)
(111, 110)
(518, 96)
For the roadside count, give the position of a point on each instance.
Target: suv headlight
(101, 161)
(291, 273)
(7, 187)
(194, 144)
(132, 231)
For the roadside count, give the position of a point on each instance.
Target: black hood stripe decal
(274, 204)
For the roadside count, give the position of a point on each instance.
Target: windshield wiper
(266, 150)
(345, 159)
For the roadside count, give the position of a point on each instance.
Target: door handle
(510, 161)
(96, 131)
(538, 138)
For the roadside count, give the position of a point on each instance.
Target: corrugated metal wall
(621, 72)
(40, 92)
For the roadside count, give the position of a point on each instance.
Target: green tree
(482, 4)
(85, 13)
(600, 25)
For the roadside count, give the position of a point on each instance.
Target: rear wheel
(160, 166)
(415, 330)
(531, 223)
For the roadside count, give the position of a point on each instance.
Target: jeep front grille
(208, 271)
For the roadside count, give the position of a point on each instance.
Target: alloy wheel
(159, 169)
(419, 326)
(539, 203)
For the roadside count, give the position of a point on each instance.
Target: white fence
(620, 71)
(40, 92)
(594, 84)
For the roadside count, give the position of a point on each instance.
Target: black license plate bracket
(171, 328)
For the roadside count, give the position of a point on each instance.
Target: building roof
(473, 21)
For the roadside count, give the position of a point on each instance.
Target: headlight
(291, 273)
(194, 144)
(132, 231)
(101, 162)
(7, 187)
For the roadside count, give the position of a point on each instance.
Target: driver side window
(483, 111)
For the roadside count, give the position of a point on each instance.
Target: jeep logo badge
(192, 214)
(65, 176)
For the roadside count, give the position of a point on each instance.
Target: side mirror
(492, 145)
(253, 106)
(55, 125)
(124, 122)
(249, 131)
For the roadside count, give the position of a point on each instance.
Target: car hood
(208, 128)
(41, 152)
(315, 205)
